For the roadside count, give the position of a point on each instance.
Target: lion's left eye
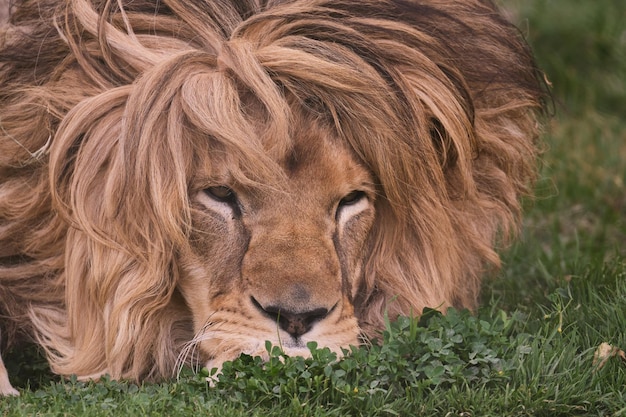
(352, 198)
(222, 194)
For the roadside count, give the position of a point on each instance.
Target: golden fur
(182, 180)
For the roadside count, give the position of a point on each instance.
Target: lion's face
(279, 263)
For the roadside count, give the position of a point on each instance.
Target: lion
(182, 181)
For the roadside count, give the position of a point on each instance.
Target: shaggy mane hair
(106, 105)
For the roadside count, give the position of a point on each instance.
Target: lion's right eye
(222, 194)
(350, 206)
(352, 198)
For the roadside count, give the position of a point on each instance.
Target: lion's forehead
(318, 167)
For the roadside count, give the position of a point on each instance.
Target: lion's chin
(290, 348)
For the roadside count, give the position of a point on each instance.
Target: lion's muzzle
(294, 323)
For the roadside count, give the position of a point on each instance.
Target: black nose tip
(296, 324)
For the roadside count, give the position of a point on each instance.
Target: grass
(528, 352)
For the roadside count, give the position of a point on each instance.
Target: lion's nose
(294, 323)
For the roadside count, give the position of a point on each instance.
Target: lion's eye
(352, 198)
(222, 194)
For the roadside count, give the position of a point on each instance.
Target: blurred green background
(578, 217)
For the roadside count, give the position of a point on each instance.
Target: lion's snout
(294, 279)
(292, 322)
(298, 306)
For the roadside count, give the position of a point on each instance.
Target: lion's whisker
(189, 351)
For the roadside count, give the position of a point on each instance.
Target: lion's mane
(104, 105)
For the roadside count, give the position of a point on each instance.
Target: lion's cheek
(209, 274)
(353, 246)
